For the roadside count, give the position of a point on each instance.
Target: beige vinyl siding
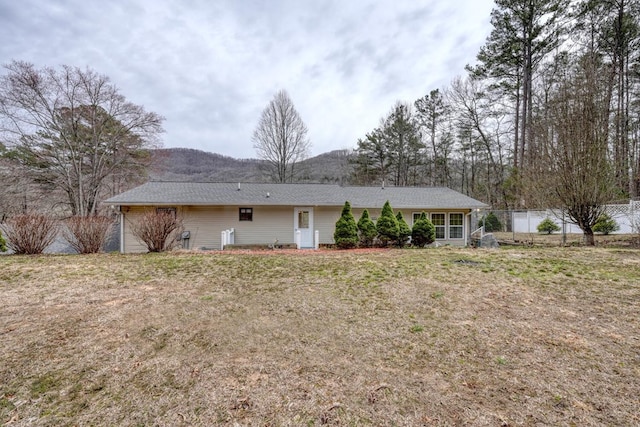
(205, 223)
(269, 223)
(195, 220)
(131, 215)
(324, 220)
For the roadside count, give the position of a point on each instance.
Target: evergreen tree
(403, 230)
(3, 243)
(433, 116)
(524, 33)
(367, 230)
(490, 222)
(547, 226)
(372, 159)
(605, 224)
(392, 152)
(423, 232)
(405, 146)
(346, 233)
(387, 225)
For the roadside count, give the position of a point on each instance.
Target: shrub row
(390, 229)
(30, 234)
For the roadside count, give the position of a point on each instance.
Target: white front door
(303, 222)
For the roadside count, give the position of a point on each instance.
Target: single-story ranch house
(215, 214)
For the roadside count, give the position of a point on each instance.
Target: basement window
(246, 214)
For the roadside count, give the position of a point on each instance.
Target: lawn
(508, 337)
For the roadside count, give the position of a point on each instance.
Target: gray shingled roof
(214, 193)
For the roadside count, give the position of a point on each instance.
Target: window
(303, 219)
(246, 214)
(416, 217)
(438, 221)
(455, 225)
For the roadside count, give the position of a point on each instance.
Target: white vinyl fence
(627, 216)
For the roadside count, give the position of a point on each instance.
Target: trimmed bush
(403, 230)
(605, 224)
(547, 226)
(491, 223)
(158, 230)
(367, 230)
(346, 233)
(387, 225)
(30, 234)
(423, 232)
(87, 234)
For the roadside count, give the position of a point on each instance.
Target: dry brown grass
(397, 337)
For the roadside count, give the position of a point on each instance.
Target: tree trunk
(589, 238)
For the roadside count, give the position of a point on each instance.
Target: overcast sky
(211, 66)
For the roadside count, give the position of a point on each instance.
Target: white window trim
(448, 220)
(446, 234)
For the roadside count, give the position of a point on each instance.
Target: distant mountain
(187, 164)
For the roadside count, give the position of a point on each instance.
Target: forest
(549, 111)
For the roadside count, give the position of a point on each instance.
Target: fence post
(316, 240)
(298, 239)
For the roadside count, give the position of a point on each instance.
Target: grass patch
(447, 336)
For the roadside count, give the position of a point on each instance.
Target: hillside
(186, 164)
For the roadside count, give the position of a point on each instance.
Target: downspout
(121, 231)
(467, 225)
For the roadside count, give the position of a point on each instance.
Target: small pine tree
(547, 226)
(423, 232)
(403, 230)
(367, 230)
(3, 243)
(346, 233)
(490, 222)
(605, 224)
(387, 225)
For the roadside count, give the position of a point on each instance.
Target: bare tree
(281, 137)
(574, 171)
(479, 121)
(74, 131)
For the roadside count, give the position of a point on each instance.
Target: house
(243, 213)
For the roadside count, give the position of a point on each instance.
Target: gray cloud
(211, 67)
